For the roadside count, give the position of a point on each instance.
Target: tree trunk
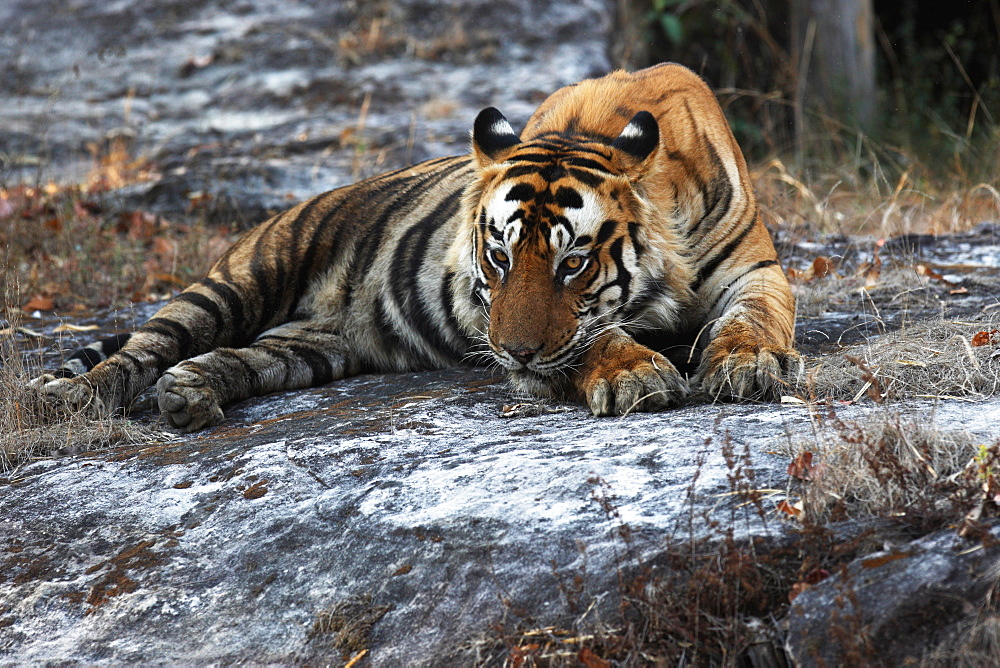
(834, 50)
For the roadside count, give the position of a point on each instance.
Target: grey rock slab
(891, 608)
(259, 104)
(410, 497)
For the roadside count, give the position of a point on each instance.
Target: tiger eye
(573, 262)
(500, 257)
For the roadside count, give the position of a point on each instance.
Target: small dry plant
(884, 466)
(65, 246)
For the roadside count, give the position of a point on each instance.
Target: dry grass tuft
(886, 466)
(30, 429)
(868, 201)
(975, 646)
(924, 360)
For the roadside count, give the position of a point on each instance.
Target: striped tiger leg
(750, 354)
(106, 377)
(617, 375)
(291, 356)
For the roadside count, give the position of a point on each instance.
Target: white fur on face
(500, 210)
(587, 219)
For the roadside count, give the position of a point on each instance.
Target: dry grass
(937, 359)
(851, 201)
(29, 429)
(883, 466)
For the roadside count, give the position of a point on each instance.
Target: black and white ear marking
(492, 133)
(640, 136)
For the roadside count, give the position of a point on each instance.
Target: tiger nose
(522, 355)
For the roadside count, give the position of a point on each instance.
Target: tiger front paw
(753, 371)
(69, 394)
(621, 376)
(186, 401)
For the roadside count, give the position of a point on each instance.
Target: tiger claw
(70, 394)
(757, 372)
(642, 385)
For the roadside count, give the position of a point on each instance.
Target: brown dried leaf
(39, 303)
(588, 659)
(986, 338)
(801, 467)
(821, 267)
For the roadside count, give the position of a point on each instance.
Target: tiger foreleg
(617, 376)
(302, 354)
(106, 389)
(750, 355)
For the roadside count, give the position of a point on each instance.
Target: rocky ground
(411, 515)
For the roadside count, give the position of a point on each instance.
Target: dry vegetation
(65, 250)
(713, 598)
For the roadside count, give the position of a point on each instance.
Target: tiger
(612, 255)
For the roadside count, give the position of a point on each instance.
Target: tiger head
(563, 241)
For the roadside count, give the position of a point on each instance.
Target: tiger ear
(491, 136)
(638, 142)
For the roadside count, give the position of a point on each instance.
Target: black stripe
(242, 333)
(131, 359)
(587, 178)
(207, 305)
(633, 235)
(568, 198)
(88, 356)
(410, 255)
(651, 293)
(389, 338)
(607, 229)
(248, 369)
(709, 267)
(308, 259)
(622, 281)
(587, 163)
(319, 366)
(368, 247)
(447, 298)
(522, 192)
(534, 157)
(171, 329)
(754, 267)
(717, 195)
(113, 344)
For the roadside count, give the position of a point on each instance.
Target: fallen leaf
(985, 338)
(801, 467)
(821, 267)
(39, 303)
(789, 509)
(587, 657)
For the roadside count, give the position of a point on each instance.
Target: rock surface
(888, 608)
(246, 107)
(410, 499)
